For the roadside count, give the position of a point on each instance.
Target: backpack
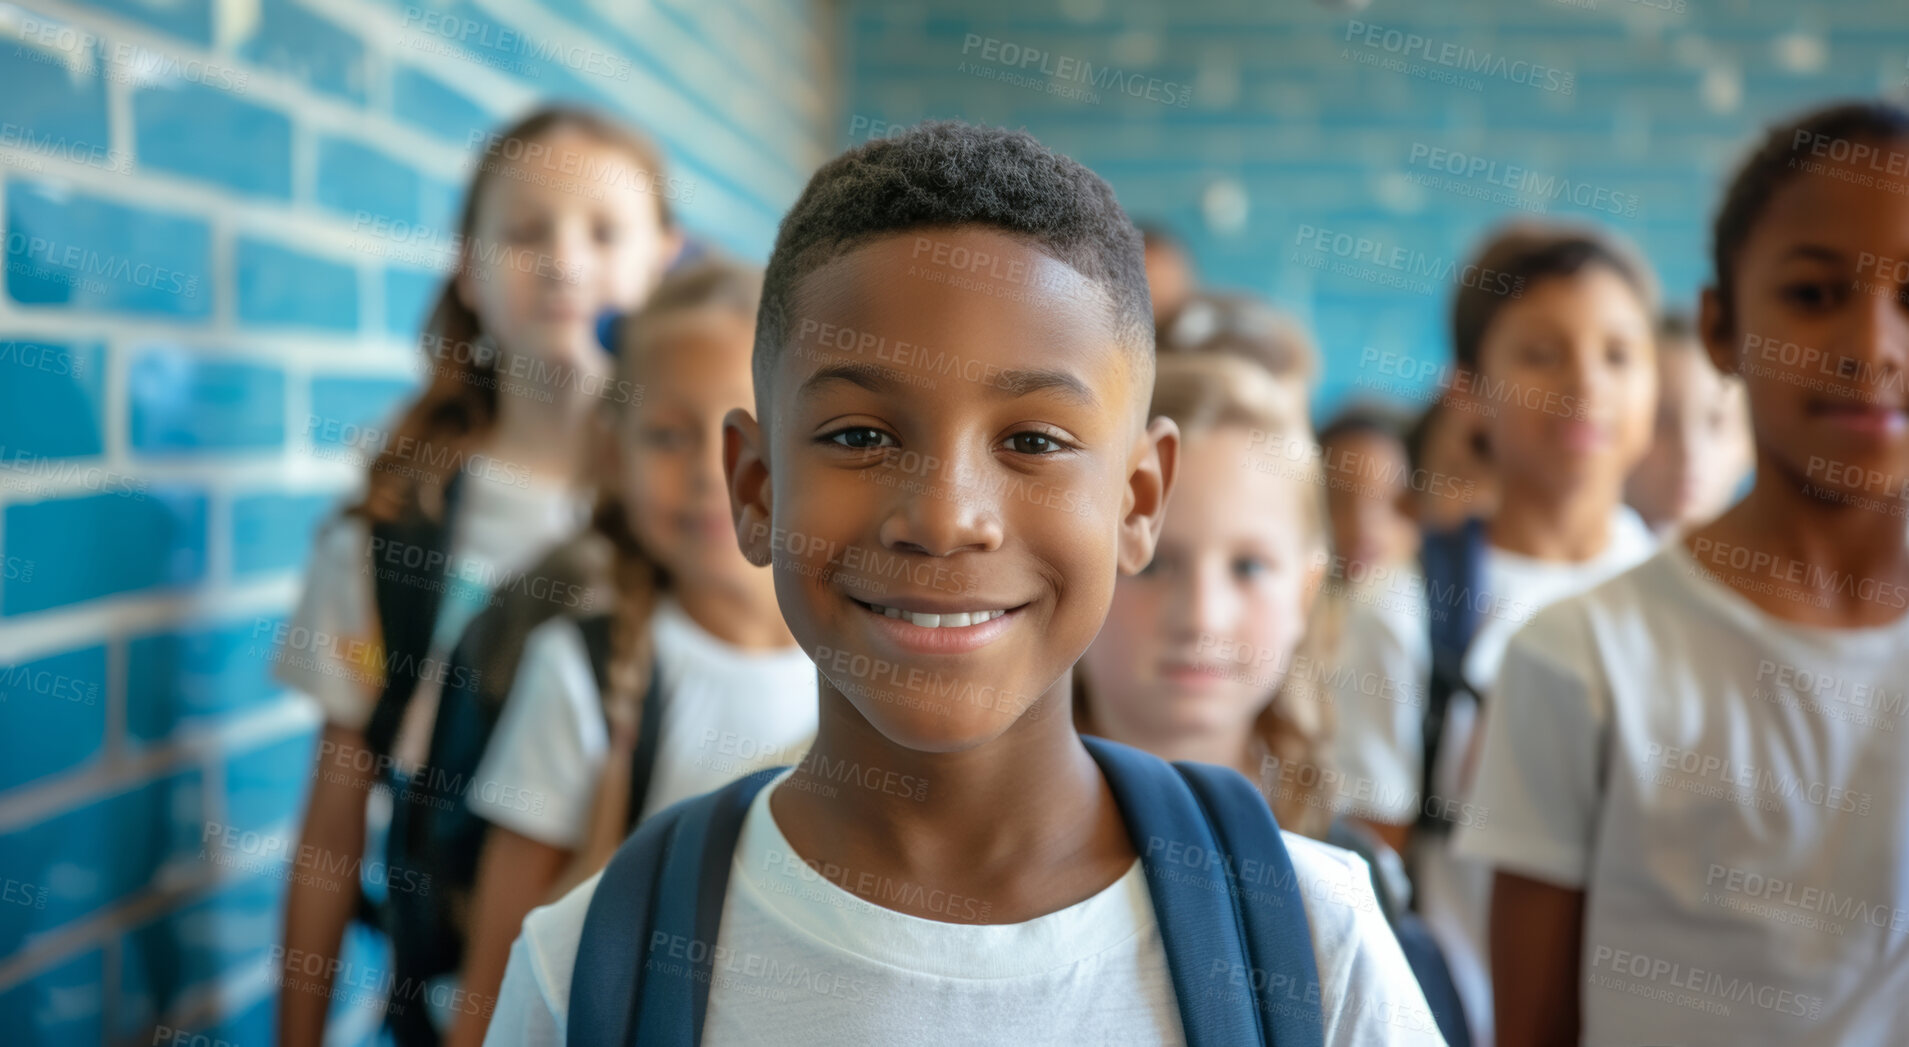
(1453, 562)
(1238, 945)
(435, 838)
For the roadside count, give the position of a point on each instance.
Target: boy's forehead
(945, 306)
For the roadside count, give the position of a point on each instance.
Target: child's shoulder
(1335, 884)
(549, 940)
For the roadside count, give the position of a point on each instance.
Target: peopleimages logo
(1070, 70)
(1459, 57)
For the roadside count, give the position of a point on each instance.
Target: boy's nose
(1877, 335)
(938, 519)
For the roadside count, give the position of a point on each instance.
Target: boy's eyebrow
(1816, 251)
(1003, 383)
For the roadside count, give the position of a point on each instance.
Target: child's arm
(514, 876)
(1537, 931)
(1538, 798)
(534, 787)
(320, 903)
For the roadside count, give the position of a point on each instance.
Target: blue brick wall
(192, 317)
(1292, 120)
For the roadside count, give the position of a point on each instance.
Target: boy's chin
(936, 725)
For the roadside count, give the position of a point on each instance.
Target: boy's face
(1367, 474)
(692, 369)
(1569, 380)
(1701, 447)
(1200, 639)
(1820, 334)
(952, 431)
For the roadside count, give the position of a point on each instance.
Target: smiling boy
(1008, 899)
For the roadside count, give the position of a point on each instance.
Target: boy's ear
(1713, 326)
(746, 471)
(1144, 504)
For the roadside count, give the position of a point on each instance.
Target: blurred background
(224, 219)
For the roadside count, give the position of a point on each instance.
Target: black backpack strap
(1226, 898)
(1453, 562)
(646, 955)
(596, 642)
(409, 559)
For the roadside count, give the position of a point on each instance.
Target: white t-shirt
(1379, 740)
(333, 649)
(1730, 791)
(729, 712)
(807, 962)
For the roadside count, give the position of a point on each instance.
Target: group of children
(892, 646)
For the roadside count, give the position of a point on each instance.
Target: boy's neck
(1848, 563)
(1024, 823)
(1568, 527)
(744, 616)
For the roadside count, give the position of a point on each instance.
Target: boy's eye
(523, 232)
(1810, 294)
(1540, 354)
(665, 439)
(1250, 567)
(1617, 354)
(606, 233)
(1034, 443)
(860, 438)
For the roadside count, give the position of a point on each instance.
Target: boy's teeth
(954, 620)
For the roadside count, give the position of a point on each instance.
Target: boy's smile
(944, 439)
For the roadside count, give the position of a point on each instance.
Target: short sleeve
(539, 776)
(1538, 791)
(1367, 991)
(332, 650)
(524, 1016)
(1378, 692)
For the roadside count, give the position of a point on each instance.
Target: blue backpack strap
(1232, 923)
(646, 954)
(1453, 562)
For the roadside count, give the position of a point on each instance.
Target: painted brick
(409, 295)
(355, 179)
(54, 713)
(182, 401)
(50, 396)
(100, 545)
(315, 51)
(282, 287)
(98, 854)
(46, 109)
(204, 132)
(341, 403)
(265, 788)
(179, 951)
(63, 1005)
(274, 532)
(436, 107)
(187, 19)
(186, 678)
(73, 250)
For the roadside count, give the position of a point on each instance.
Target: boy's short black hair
(1529, 252)
(1370, 416)
(1785, 149)
(947, 174)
